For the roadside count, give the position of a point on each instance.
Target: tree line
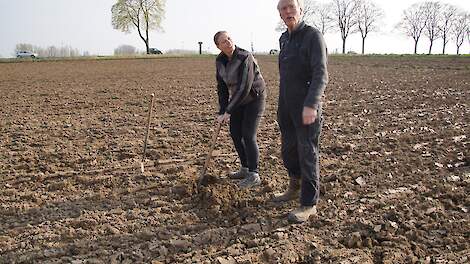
(68, 51)
(50, 51)
(436, 20)
(432, 19)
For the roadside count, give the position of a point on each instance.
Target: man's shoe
(251, 180)
(241, 174)
(301, 214)
(291, 193)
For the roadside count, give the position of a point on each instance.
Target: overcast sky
(86, 26)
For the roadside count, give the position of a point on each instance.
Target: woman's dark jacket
(239, 80)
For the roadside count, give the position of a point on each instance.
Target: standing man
(303, 78)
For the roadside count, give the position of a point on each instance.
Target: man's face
(225, 43)
(290, 12)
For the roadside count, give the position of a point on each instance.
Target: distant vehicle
(155, 51)
(273, 51)
(26, 54)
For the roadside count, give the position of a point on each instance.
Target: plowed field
(395, 166)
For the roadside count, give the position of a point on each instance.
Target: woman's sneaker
(241, 174)
(251, 180)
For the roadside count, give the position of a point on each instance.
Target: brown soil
(395, 166)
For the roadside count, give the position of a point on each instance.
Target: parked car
(155, 51)
(273, 51)
(26, 54)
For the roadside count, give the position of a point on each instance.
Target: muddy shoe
(251, 180)
(241, 174)
(301, 214)
(291, 193)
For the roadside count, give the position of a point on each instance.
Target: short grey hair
(300, 3)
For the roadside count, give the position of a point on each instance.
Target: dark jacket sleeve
(318, 62)
(246, 78)
(222, 92)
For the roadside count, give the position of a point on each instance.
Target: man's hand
(309, 115)
(225, 118)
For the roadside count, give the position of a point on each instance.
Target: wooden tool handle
(211, 149)
(148, 125)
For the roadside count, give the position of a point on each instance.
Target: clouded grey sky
(86, 26)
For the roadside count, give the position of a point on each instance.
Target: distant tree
(144, 15)
(281, 26)
(468, 33)
(29, 47)
(433, 16)
(51, 51)
(459, 30)
(183, 52)
(345, 15)
(448, 15)
(67, 51)
(125, 50)
(42, 52)
(74, 52)
(25, 47)
(413, 22)
(368, 17)
(319, 15)
(63, 52)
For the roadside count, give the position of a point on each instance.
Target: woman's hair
(216, 36)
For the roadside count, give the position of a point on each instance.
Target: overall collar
(299, 28)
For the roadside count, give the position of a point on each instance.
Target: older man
(303, 78)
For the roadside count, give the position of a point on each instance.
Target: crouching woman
(242, 98)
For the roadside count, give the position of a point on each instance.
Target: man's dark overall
(303, 78)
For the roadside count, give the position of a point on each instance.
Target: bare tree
(309, 8)
(433, 15)
(448, 15)
(25, 47)
(368, 17)
(281, 26)
(468, 32)
(413, 22)
(459, 29)
(319, 15)
(74, 52)
(144, 15)
(67, 51)
(51, 51)
(344, 11)
(315, 14)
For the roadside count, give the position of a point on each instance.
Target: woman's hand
(225, 118)
(309, 115)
